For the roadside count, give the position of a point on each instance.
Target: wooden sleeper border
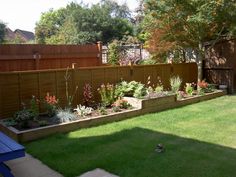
(143, 106)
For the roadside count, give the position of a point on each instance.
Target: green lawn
(200, 141)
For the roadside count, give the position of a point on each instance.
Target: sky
(23, 14)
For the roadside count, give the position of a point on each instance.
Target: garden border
(143, 106)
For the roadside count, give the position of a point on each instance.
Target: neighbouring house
(25, 35)
(9, 35)
(18, 36)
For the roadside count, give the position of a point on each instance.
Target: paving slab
(98, 173)
(28, 166)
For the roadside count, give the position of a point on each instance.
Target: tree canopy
(177, 24)
(80, 24)
(187, 23)
(2, 31)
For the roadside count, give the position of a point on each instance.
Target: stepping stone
(98, 173)
(28, 166)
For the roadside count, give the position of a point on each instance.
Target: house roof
(27, 35)
(10, 35)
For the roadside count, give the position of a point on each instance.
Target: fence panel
(18, 87)
(14, 57)
(10, 94)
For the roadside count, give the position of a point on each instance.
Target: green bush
(133, 89)
(113, 53)
(107, 93)
(189, 89)
(23, 117)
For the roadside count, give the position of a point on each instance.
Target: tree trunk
(199, 59)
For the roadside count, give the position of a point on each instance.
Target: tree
(2, 31)
(176, 24)
(80, 24)
(49, 25)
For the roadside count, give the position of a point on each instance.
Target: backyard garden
(138, 93)
(198, 140)
(42, 117)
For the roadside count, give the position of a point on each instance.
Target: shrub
(113, 53)
(181, 94)
(132, 88)
(148, 61)
(42, 123)
(107, 93)
(116, 109)
(23, 117)
(102, 110)
(51, 104)
(64, 116)
(175, 83)
(122, 104)
(159, 88)
(189, 89)
(10, 122)
(83, 110)
(204, 87)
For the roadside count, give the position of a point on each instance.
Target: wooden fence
(220, 63)
(18, 87)
(21, 57)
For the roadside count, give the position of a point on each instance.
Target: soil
(49, 120)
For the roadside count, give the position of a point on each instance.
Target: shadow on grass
(131, 153)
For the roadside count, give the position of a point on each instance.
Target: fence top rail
(48, 56)
(87, 68)
(45, 45)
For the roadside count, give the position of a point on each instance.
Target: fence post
(36, 57)
(99, 45)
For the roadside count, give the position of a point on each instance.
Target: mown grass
(199, 140)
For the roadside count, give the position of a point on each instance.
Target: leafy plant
(140, 91)
(64, 116)
(159, 88)
(148, 61)
(51, 104)
(102, 110)
(189, 89)
(175, 83)
(133, 88)
(23, 117)
(122, 104)
(107, 93)
(42, 123)
(181, 94)
(113, 52)
(69, 97)
(204, 87)
(116, 109)
(34, 107)
(10, 122)
(83, 110)
(88, 95)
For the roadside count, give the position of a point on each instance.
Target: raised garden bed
(141, 106)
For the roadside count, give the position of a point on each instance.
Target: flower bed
(140, 106)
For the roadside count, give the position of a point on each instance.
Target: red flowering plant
(204, 87)
(51, 104)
